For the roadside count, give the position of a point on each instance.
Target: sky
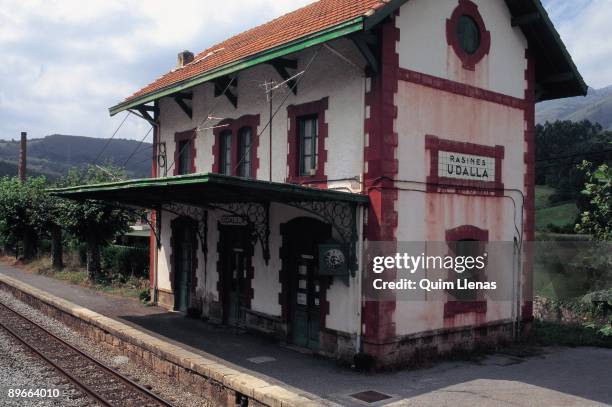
(65, 62)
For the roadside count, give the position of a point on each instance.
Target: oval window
(468, 34)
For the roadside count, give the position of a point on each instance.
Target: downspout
(361, 218)
(360, 243)
(154, 174)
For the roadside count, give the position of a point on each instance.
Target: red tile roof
(289, 27)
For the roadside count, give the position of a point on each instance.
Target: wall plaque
(464, 166)
(233, 220)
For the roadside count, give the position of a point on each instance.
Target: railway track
(103, 384)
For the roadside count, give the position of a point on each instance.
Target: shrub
(122, 262)
(44, 246)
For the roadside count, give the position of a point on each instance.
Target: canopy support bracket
(257, 216)
(342, 216)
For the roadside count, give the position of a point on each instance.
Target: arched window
(466, 240)
(225, 139)
(245, 152)
(235, 148)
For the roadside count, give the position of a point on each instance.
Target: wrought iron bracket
(342, 216)
(257, 216)
(198, 215)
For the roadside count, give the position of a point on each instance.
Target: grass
(561, 334)
(559, 215)
(542, 193)
(74, 274)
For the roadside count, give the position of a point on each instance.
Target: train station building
(283, 153)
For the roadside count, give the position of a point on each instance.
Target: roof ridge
(291, 26)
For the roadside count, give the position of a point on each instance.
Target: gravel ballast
(163, 386)
(22, 371)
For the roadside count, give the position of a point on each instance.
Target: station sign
(233, 220)
(466, 166)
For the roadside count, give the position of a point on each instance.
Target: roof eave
(543, 35)
(337, 31)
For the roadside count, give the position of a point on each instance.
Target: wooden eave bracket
(221, 84)
(146, 111)
(180, 98)
(281, 65)
(367, 44)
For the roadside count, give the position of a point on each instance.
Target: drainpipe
(360, 243)
(154, 174)
(360, 219)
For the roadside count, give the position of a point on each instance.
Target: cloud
(66, 61)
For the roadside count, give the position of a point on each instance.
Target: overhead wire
(299, 79)
(206, 119)
(110, 138)
(138, 146)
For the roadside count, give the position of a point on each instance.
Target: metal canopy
(192, 196)
(202, 190)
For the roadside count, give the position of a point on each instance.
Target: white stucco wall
(426, 111)
(421, 110)
(328, 76)
(423, 46)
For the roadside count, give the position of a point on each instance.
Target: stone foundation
(415, 349)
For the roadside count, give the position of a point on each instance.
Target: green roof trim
(320, 37)
(200, 189)
(542, 35)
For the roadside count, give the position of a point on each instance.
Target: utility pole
(21, 169)
(29, 236)
(269, 86)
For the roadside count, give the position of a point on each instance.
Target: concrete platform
(246, 362)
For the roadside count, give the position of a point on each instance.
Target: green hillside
(595, 107)
(54, 155)
(561, 214)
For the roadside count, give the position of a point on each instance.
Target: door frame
(292, 231)
(176, 226)
(229, 232)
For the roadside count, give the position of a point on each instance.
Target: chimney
(21, 170)
(184, 58)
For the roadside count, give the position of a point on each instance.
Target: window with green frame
(184, 157)
(245, 153)
(225, 151)
(469, 34)
(307, 135)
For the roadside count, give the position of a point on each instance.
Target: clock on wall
(332, 259)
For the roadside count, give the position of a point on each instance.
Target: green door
(183, 267)
(305, 304)
(237, 269)
(235, 255)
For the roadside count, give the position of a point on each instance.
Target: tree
(28, 213)
(94, 222)
(560, 147)
(20, 205)
(597, 220)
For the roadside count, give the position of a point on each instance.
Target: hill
(595, 107)
(54, 155)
